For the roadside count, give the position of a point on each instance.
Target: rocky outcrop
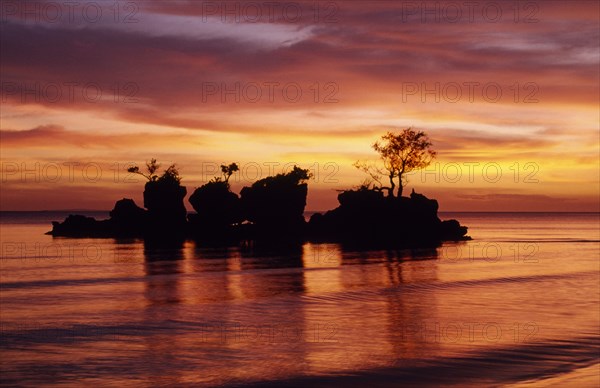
(166, 212)
(82, 226)
(270, 211)
(367, 216)
(275, 205)
(128, 219)
(217, 211)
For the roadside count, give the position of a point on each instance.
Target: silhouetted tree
(400, 153)
(228, 171)
(171, 174)
(152, 166)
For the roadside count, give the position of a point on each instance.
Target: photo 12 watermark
(463, 332)
(70, 12)
(66, 172)
(477, 172)
(250, 172)
(470, 92)
(268, 11)
(490, 252)
(53, 252)
(270, 92)
(465, 12)
(69, 92)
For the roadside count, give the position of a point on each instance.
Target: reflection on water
(150, 314)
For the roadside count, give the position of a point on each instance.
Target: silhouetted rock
(128, 219)
(451, 230)
(166, 211)
(217, 209)
(367, 216)
(275, 205)
(82, 226)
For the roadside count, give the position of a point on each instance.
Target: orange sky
(507, 91)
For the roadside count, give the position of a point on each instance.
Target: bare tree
(400, 154)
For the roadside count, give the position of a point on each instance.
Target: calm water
(517, 306)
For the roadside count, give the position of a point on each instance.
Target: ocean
(517, 306)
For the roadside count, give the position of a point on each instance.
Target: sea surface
(517, 306)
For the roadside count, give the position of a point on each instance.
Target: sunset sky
(508, 93)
